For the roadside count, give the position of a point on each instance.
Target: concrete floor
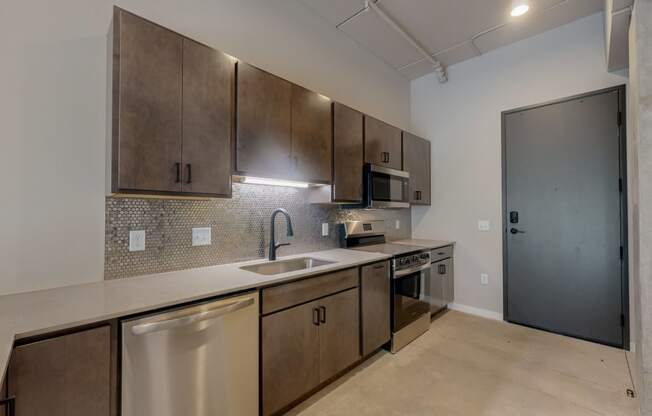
(466, 365)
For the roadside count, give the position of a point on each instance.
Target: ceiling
(450, 30)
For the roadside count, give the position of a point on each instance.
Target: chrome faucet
(272, 240)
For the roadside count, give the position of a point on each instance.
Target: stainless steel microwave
(385, 187)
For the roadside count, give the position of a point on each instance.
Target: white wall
(463, 120)
(52, 110)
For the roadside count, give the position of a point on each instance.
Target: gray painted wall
(640, 112)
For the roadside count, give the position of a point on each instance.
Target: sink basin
(284, 266)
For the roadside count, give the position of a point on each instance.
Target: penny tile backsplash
(239, 227)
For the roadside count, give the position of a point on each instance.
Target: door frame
(621, 89)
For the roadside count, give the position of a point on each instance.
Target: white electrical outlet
(484, 225)
(201, 236)
(324, 229)
(398, 224)
(137, 240)
(484, 279)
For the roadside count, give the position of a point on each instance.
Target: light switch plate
(137, 240)
(324, 229)
(484, 225)
(484, 279)
(398, 224)
(201, 236)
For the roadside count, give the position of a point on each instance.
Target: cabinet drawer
(285, 296)
(441, 253)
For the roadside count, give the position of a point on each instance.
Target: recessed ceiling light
(519, 8)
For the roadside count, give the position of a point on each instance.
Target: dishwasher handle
(149, 327)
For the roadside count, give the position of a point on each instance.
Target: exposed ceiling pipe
(437, 66)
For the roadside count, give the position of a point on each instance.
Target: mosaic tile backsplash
(239, 227)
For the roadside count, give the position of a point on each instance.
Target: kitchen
(162, 226)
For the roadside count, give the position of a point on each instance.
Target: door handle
(442, 269)
(189, 173)
(149, 327)
(177, 166)
(10, 405)
(515, 231)
(315, 316)
(322, 314)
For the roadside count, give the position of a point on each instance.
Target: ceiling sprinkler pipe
(440, 71)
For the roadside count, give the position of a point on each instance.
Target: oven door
(410, 298)
(386, 188)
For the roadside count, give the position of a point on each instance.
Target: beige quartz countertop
(431, 244)
(35, 313)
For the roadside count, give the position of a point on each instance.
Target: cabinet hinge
(620, 118)
(622, 252)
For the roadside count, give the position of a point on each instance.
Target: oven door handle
(401, 273)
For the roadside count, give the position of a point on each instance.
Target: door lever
(515, 231)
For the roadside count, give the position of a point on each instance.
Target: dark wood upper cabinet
(264, 124)
(69, 375)
(172, 112)
(348, 154)
(382, 144)
(312, 136)
(147, 96)
(208, 93)
(416, 160)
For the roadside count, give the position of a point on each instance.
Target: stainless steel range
(410, 303)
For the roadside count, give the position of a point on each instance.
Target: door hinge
(620, 184)
(622, 252)
(620, 118)
(622, 320)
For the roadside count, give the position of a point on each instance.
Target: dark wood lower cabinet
(290, 356)
(307, 345)
(375, 301)
(339, 333)
(69, 375)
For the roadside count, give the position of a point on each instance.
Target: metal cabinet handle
(379, 266)
(178, 169)
(322, 314)
(315, 316)
(189, 173)
(442, 269)
(10, 405)
(149, 327)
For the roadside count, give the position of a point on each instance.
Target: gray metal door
(562, 206)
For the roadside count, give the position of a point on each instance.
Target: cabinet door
(348, 151)
(448, 281)
(416, 160)
(312, 136)
(63, 376)
(207, 114)
(290, 356)
(263, 142)
(375, 301)
(148, 89)
(382, 144)
(436, 288)
(339, 333)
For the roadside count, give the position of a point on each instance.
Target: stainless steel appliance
(410, 288)
(386, 188)
(198, 360)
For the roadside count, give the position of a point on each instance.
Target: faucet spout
(272, 238)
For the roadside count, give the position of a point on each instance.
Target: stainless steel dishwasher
(198, 360)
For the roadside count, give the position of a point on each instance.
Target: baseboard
(485, 313)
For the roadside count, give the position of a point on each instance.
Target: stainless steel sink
(284, 266)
